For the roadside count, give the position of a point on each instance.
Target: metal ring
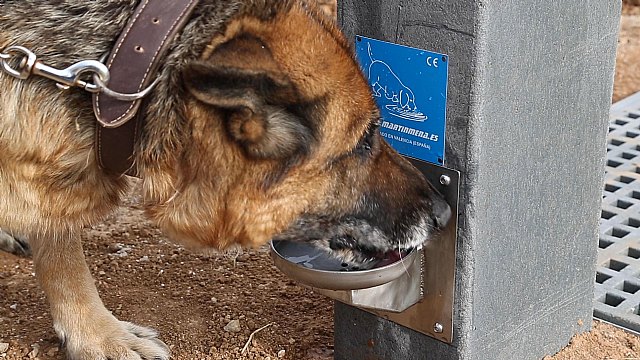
(26, 64)
(120, 96)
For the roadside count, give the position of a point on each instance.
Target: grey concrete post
(530, 87)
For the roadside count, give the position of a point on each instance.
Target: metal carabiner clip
(70, 76)
(27, 64)
(65, 78)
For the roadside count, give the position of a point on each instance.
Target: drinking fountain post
(529, 92)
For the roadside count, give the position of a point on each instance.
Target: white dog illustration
(385, 82)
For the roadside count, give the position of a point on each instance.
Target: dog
(385, 83)
(261, 126)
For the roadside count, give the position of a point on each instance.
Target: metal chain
(26, 63)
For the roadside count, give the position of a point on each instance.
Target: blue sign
(410, 86)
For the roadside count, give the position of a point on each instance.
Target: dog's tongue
(389, 258)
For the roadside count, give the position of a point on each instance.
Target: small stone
(214, 300)
(34, 353)
(3, 348)
(292, 341)
(114, 248)
(232, 326)
(121, 253)
(13, 307)
(243, 258)
(144, 259)
(53, 351)
(281, 353)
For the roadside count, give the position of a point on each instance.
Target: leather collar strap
(132, 64)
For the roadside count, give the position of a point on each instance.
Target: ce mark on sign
(432, 61)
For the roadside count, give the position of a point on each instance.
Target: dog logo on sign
(387, 85)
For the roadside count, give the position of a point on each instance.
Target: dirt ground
(190, 298)
(627, 80)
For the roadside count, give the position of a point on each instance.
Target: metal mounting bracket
(433, 314)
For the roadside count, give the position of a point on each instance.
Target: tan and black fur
(261, 126)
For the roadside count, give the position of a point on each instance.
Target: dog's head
(283, 142)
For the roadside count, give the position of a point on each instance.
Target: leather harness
(133, 63)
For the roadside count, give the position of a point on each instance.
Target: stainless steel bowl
(313, 267)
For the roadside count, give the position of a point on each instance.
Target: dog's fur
(261, 126)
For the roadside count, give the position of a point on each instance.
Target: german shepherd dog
(261, 126)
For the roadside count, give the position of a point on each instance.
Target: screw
(438, 328)
(445, 180)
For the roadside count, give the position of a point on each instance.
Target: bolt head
(438, 328)
(445, 180)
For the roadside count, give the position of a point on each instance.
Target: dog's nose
(441, 213)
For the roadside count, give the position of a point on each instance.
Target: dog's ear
(242, 79)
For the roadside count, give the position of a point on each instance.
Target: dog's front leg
(84, 325)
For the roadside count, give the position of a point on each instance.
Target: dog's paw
(126, 341)
(14, 244)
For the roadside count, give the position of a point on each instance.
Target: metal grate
(617, 289)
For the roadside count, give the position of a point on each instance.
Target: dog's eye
(368, 141)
